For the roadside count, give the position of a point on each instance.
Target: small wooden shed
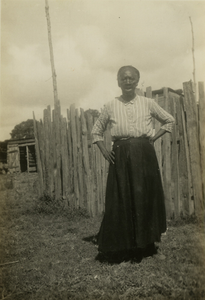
(21, 156)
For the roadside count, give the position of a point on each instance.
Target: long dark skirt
(134, 205)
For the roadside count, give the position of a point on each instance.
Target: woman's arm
(97, 133)
(159, 133)
(108, 155)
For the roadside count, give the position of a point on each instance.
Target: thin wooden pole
(38, 157)
(193, 142)
(55, 91)
(194, 70)
(201, 131)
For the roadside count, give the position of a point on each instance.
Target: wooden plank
(51, 152)
(92, 149)
(38, 158)
(202, 132)
(183, 193)
(70, 156)
(46, 152)
(57, 124)
(79, 161)
(41, 147)
(86, 164)
(167, 164)
(174, 160)
(193, 140)
(188, 164)
(65, 161)
(75, 159)
(98, 199)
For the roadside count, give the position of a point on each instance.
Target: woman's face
(128, 81)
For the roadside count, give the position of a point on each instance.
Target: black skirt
(134, 206)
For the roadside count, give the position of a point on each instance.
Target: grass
(47, 239)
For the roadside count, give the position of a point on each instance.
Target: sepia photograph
(102, 150)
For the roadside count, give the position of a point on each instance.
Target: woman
(135, 214)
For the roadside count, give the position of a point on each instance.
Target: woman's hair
(127, 67)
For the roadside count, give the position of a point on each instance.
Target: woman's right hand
(108, 155)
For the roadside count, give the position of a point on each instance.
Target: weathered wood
(98, 199)
(202, 132)
(70, 159)
(193, 142)
(75, 159)
(174, 158)
(183, 189)
(86, 164)
(92, 149)
(188, 162)
(51, 53)
(51, 151)
(40, 130)
(38, 157)
(79, 161)
(167, 163)
(66, 150)
(64, 155)
(47, 153)
(57, 126)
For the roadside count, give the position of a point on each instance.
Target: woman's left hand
(151, 141)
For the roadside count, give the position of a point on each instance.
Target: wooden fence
(70, 167)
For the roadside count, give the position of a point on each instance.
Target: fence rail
(72, 168)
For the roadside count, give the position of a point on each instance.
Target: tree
(93, 112)
(23, 130)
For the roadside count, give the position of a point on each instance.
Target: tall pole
(55, 91)
(194, 76)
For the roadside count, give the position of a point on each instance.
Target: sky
(91, 40)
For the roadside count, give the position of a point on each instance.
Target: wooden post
(167, 163)
(86, 164)
(174, 159)
(92, 165)
(202, 132)
(70, 156)
(184, 193)
(58, 165)
(79, 160)
(51, 152)
(188, 163)
(75, 158)
(51, 53)
(47, 154)
(41, 138)
(38, 158)
(193, 140)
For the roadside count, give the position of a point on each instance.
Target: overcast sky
(91, 41)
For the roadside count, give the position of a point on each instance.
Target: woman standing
(135, 214)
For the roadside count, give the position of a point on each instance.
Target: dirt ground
(44, 254)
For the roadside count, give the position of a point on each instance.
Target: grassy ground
(48, 257)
